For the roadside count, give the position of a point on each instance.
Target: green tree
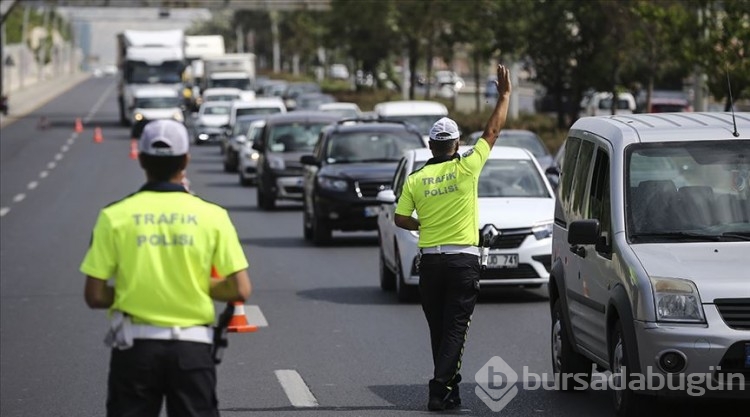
(725, 48)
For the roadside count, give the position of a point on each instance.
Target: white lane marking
(98, 104)
(295, 388)
(255, 316)
(32, 185)
(72, 138)
(43, 174)
(4, 211)
(58, 157)
(65, 148)
(19, 197)
(51, 165)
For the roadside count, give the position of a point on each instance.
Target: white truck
(148, 58)
(198, 48)
(230, 70)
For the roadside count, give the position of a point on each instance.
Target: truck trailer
(148, 58)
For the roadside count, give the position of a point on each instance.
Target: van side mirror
(584, 232)
(309, 160)
(386, 197)
(241, 139)
(553, 176)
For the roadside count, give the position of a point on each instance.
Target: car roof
(301, 116)
(155, 92)
(624, 130)
(259, 102)
(369, 125)
(410, 107)
(221, 90)
(497, 152)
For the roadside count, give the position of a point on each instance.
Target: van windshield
(684, 190)
(423, 123)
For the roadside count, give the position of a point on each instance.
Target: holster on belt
(221, 341)
(119, 335)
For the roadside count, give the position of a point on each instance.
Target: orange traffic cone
(98, 138)
(238, 323)
(79, 125)
(134, 152)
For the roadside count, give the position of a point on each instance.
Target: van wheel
(387, 277)
(404, 293)
(566, 361)
(628, 403)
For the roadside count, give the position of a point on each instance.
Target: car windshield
(343, 113)
(222, 97)
(258, 110)
(423, 123)
(352, 147)
(216, 110)
(526, 141)
(295, 137)
(241, 127)
(679, 190)
(157, 102)
(240, 83)
(508, 178)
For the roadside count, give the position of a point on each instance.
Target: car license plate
(372, 211)
(498, 260)
(747, 355)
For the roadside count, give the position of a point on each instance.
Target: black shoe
(436, 404)
(453, 402)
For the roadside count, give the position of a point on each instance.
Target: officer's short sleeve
(405, 206)
(228, 255)
(100, 260)
(473, 160)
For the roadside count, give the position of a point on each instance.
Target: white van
(259, 106)
(650, 262)
(156, 102)
(422, 114)
(600, 104)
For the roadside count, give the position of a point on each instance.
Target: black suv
(353, 161)
(285, 138)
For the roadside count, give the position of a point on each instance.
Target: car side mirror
(584, 232)
(386, 197)
(241, 139)
(309, 160)
(553, 176)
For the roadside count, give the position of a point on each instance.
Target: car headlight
(254, 156)
(677, 300)
(276, 163)
(542, 230)
(203, 136)
(178, 116)
(138, 117)
(335, 184)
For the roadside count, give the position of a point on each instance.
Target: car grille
(509, 238)
(733, 363)
(735, 312)
(523, 271)
(293, 189)
(371, 189)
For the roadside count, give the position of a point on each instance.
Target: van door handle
(578, 250)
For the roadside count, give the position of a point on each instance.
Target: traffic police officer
(444, 195)
(158, 245)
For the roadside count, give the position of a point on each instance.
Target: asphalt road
(334, 343)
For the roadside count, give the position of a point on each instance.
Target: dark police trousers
(448, 287)
(142, 376)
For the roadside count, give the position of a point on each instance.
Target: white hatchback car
(514, 196)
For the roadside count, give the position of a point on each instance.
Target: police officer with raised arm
(158, 246)
(444, 195)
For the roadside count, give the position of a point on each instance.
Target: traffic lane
(28, 154)
(356, 347)
(52, 352)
